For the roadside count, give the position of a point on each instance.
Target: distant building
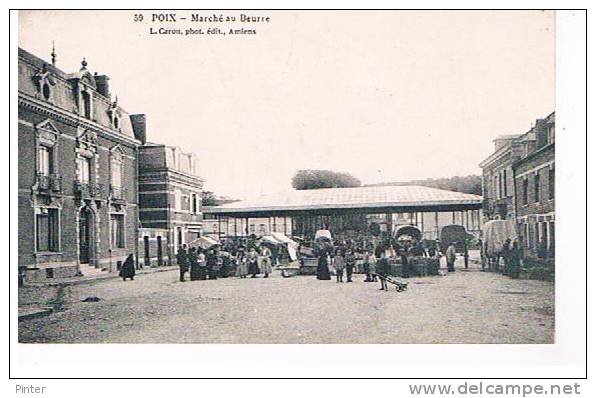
(77, 195)
(302, 212)
(169, 202)
(518, 183)
(497, 178)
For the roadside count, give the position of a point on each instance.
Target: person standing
(182, 260)
(226, 259)
(514, 262)
(350, 264)
(366, 266)
(450, 255)
(128, 268)
(505, 253)
(265, 261)
(253, 266)
(339, 264)
(194, 264)
(212, 264)
(202, 265)
(383, 270)
(372, 265)
(323, 268)
(242, 264)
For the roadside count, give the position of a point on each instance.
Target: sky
(382, 95)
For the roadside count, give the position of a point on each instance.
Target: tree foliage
(316, 179)
(466, 184)
(209, 199)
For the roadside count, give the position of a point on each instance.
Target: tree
(209, 199)
(316, 179)
(466, 184)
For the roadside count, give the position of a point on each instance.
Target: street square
(467, 306)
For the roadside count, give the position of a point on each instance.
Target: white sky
(385, 96)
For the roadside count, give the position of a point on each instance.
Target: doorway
(85, 234)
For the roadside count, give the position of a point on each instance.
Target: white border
(563, 359)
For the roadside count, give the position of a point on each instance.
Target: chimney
(139, 127)
(103, 85)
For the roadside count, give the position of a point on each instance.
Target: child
(339, 264)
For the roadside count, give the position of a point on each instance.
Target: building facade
(497, 178)
(535, 191)
(170, 192)
(519, 184)
(77, 197)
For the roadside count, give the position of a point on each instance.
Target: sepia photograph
(290, 177)
(221, 182)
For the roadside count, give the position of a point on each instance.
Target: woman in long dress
(253, 266)
(323, 268)
(194, 264)
(128, 268)
(241, 260)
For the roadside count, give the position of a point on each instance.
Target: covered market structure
(302, 212)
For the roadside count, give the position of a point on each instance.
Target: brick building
(77, 196)
(169, 202)
(535, 190)
(518, 182)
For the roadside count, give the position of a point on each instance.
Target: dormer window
(46, 91)
(43, 80)
(86, 99)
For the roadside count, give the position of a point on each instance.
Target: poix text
(205, 18)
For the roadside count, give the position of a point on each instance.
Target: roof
(508, 137)
(406, 196)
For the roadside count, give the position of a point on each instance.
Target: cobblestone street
(463, 307)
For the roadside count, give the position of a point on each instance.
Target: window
(117, 231)
(185, 203)
(47, 230)
(84, 169)
(550, 134)
(116, 122)
(505, 183)
(177, 200)
(551, 183)
(86, 104)
(116, 173)
(525, 197)
(195, 204)
(45, 160)
(537, 187)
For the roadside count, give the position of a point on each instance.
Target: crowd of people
(345, 257)
(374, 261)
(213, 262)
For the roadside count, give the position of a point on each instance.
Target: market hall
(345, 210)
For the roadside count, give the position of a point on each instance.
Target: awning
(204, 242)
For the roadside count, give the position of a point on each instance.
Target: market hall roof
(367, 199)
